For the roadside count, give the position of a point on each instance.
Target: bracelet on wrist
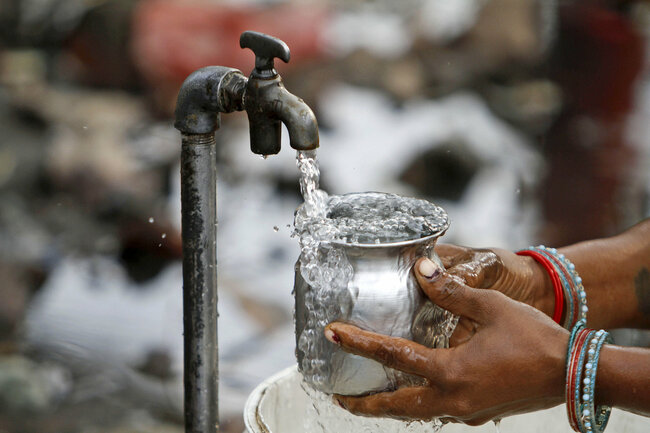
(593, 419)
(582, 363)
(567, 284)
(555, 279)
(574, 286)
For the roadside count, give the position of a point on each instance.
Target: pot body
(382, 296)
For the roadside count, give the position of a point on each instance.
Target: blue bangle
(579, 406)
(566, 287)
(581, 324)
(575, 288)
(577, 281)
(593, 419)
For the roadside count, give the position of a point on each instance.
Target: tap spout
(299, 120)
(268, 104)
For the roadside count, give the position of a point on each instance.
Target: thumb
(448, 291)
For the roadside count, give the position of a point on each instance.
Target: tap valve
(266, 48)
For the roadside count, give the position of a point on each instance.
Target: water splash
(365, 218)
(322, 265)
(324, 416)
(322, 223)
(315, 198)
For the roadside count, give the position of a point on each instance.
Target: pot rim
(405, 243)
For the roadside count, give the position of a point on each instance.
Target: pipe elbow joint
(204, 94)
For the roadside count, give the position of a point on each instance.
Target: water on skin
(322, 222)
(323, 416)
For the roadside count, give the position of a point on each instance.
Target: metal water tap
(268, 102)
(205, 94)
(212, 90)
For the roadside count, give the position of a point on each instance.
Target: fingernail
(331, 336)
(429, 270)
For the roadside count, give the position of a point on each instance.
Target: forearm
(616, 275)
(623, 378)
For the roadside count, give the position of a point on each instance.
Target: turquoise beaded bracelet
(583, 353)
(593, 419)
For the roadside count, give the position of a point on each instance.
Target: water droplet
(159, 245)
(276, 228)
(85, 127)
(518, 190)
(151, 220)
(164, 235)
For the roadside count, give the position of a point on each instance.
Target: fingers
(397, 353)
(450, 255)
(449, 292)
(479, 268)
(470, 272)
(405, 403)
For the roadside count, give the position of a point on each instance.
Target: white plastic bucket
(280, 405)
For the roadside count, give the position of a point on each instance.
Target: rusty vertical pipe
(199, 219)
(205, 94)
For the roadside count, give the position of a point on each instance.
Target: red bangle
(569, 322)
(572, 375)
(555, 279)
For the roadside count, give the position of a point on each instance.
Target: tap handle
(266, 48)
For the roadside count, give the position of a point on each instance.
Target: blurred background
(527, 120)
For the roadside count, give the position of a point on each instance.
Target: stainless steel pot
(382, 296)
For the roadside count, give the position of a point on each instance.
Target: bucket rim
(252, 419)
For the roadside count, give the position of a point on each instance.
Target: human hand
(513, 363)
(518, 277)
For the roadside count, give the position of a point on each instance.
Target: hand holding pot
(494, 373)
(518, 277)
(615, 272)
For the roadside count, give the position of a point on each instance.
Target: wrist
(557, 370)
(605, 389)
(623, 380)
